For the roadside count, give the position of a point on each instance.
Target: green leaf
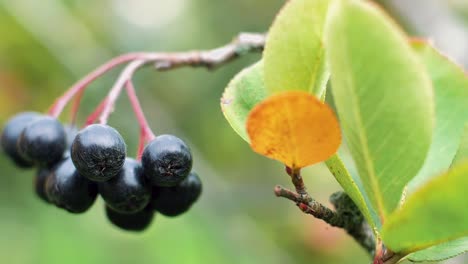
(462, 152)
(353, 188)
(451, 108)
(244, 91)
(434, 214)
(294, 53)
(383, 97)
(439, 252)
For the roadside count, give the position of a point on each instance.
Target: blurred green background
(45, 46)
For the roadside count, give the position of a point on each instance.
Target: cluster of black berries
(76, 166)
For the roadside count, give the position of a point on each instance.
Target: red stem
(146, 134)
(76, 107)
(114, 93)
(95, 115)
(62, 101)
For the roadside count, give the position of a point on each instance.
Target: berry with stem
(62, 180)
(98, 152)
(167, 160)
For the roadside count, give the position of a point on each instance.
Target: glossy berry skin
(39, 183)
(128, 192)
(11, 134)
(166, 160)
(174, 201)
(43, 141)
(136, 222)
(67, 189)
(98, 152)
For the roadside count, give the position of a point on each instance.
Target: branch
(347, 214)
(244, 43)
(354, 222)
(311, 206)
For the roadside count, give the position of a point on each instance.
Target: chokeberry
(39, 183)
(128, 192)
(67, 189)
(98, 152)
(138, 221)
(11, 134)
(173, 201)
(166, 160)
(43, 141)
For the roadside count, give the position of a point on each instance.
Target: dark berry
(138, 221)
(98, 152)
(43, 141)
(128, 192)
(11, 134)
(39, 183)
(167, 160)
(173, 201)
(67, 189)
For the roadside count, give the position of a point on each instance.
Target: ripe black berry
(173, 201)
(98, 152)
(67, 189)
(43, 141)
(128, 192)
(131, 222)
(39, 183)
(11, 134)
(167, 160)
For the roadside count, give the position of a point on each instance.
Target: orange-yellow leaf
(295, 128)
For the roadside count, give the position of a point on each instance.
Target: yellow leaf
(294, 128)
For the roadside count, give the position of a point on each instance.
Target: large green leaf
(383, 97)
(241, 95)
(434, 214)
(462, 153)
(451, 107)
(439, 252)
(294, 53)
(451, 95)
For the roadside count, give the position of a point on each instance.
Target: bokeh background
(45, 46)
